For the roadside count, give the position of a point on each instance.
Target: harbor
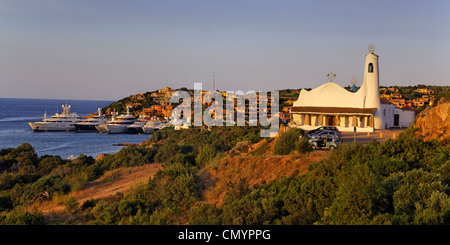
(18, 113)
(116, 124)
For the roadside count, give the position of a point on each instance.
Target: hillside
(231, 175)
(112, 182)
(218, 178)
(215, 179)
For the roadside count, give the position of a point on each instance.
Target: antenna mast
(214, 81)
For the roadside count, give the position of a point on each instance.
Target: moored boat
(90, 124)
(119, 124)
(136, 127)
(59, 122)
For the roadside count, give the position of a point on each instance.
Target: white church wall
(406, 117)
(387, 111)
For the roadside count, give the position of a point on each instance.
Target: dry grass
(112, 182)
(256, 169)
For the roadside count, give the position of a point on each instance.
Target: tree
(359, 197)
(411, 190)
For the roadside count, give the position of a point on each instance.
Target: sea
(14, 129)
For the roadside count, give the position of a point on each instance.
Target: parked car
(324, 143)
(325, 134)
(314, 131)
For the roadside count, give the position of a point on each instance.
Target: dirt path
(112, 182)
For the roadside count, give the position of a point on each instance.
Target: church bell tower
(371, 81)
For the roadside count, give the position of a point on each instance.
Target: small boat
(59, 122)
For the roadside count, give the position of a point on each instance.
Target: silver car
(324, 143)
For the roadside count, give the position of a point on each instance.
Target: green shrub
(206, 154)
(88, 204)
(5, 203)
(51, 184)
(204, 214)
(23, 218)
(71, 205)
(285, 143)
(303, 146)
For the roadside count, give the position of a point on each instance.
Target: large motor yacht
(136, 127)
(118, 125)
(153, 126)
(90, 123)
(150, 127)
(59, 122)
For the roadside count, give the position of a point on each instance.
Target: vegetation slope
(207, 179)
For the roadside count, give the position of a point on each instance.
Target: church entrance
(396, 120)
(331, 121)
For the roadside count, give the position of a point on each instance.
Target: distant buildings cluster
(392, 95)
(161, 108)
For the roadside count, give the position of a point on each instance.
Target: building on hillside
(390, 89)
(332, 105)
(163, 96)
(138, 96)
(418, 102)
(424, 91)
(398, 102)
(158, 111)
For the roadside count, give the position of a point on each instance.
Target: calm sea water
(14, 129)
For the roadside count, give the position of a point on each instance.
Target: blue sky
(88, 49)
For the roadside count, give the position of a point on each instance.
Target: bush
(88, 204)
(175, 188)
(205, 155)
(5, 203)
(23, 218)
(303, 146)
(71, 205)
(204, 214)
(285, 143)
(51, 184)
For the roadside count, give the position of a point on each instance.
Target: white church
(363, 110)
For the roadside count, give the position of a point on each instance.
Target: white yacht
(90, 123)
(153, 126)
(136, 127)
(150, 127)
(118, 124)
(59, 122)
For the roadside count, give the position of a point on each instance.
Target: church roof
(407, 108)
(384, 101)
(332, 110)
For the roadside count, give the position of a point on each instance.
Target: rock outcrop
(434, 122)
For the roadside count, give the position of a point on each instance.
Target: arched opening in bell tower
(370, 70)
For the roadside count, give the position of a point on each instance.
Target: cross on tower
(331, 76)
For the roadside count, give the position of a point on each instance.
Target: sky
(110, 49)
